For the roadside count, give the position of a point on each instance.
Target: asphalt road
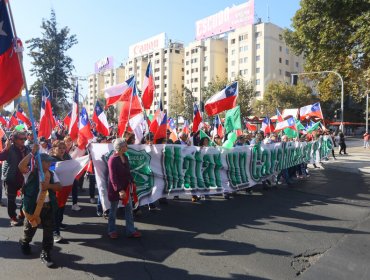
(317, 229)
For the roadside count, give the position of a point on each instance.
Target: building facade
(98, 82)
(259, 54)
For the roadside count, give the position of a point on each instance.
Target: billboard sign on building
(226, 20)
(104, 64)
(148, 46)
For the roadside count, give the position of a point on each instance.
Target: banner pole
(41, 172)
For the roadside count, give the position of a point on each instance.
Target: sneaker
(106, 214)
(113, 235)
(135, 234)
(45, 259)
(63, 226)
(99, 213)
(92, 200)
(14, 222)
(57, 238)
(25, 247)
(75, 207)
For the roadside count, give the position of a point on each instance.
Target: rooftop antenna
(268, 11)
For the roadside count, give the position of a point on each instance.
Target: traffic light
(294, 80)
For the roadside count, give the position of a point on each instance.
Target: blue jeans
(130, 228)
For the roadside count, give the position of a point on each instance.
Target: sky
(109, 27)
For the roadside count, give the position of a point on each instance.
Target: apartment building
(99, 81)
(205, 61)
(167, 58)
(258, 53)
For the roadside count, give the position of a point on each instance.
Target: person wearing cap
(14, 151)
(29, 142)
(35, 197)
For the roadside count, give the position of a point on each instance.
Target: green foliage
(51, 65)
(176, 104)
(334, 35)
(188, 105)
(282, 96)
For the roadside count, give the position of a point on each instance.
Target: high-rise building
(258, 53)
(167, 58)
(99, 81)
(205, 61)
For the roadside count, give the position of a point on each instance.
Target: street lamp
(342, 91)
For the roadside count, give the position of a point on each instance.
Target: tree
(333, 35)
(188, 104)
(51, 65)
(176, 104)
(282, 96)
(246, 93)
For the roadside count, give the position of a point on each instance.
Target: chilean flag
(250, 127)
(67, 119)
(117, 93)
(185, 127)
(131, 107)
(197, 119)
(313, 110)
(47, 120)
(84, 133)
(2, 121)
(162, 129)
(223, 100)
(73, 127)
(267, 126)
(279, 116)
(157, 118)
(22, 116)
(10, 72)
(172, 127)
(13, 120)
(218, 129)
(289, 123)
(100, 120)
(148, 88)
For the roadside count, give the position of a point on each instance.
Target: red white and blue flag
(73, 127)
(223, 100)
(185, 127)
(118, 92)
(47, 120)
(22, 116)
(313, 110)
(100, 120)
(3, 121)
(13, 120)
(131, 107)
(162, 129)
(279, 116)
(67, 119)
(197, 120)
(84, 133)
(288, 123)
(157, 118)
(172, 127)
(148, 88)
(218, 128)
(267, 126)
(10, 71)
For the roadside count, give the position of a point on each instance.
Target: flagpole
(41, 172)
(129, 110)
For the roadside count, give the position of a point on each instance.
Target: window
(205, 79)
(232, 74)
(286, 62)
(245, 72)
(232, 41)
(156, 70)
(280, 72)
(240, 72)
(205, 58)
(195, 80)
(205, 68)
(297, 64)
(165, 94)
(233, 63)
(240, 60)
(287, 51)
(177, 51)
(232, 52)
(187, 72)
(258, 93)
(258, 34)
(165, 77)
(156, 79)
(287, 74)
(258, 70)
(157, 61)
(240, 49)
(258, 82)
(165, 102)
(280, 48)
(258, 46)
(187, 62)
(245, 48)
(258, 58)
(280, 60)
(245, 59)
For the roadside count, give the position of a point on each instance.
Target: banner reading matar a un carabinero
(169, 170)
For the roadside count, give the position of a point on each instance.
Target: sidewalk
(357, 160)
